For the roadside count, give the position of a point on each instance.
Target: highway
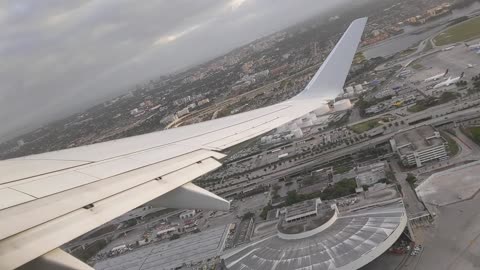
(270, 176)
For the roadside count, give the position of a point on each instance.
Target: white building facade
(418, 146)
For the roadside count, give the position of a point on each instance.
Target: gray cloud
(62, 56)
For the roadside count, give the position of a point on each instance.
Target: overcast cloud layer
(58, 56)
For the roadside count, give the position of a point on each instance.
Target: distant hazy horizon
(60, 58)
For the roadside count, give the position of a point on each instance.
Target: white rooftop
(168, 255)
(351, 241)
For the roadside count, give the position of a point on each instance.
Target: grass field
(407, 52)
(417, 108)
(341, 169)
(417, 66)
(452, 144)
(460, 32)
(473, 133)
(367, 125)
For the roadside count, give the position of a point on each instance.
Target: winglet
(331, 76)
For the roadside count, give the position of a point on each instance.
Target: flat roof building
(171, 255)
(418, 146)
(183, 112)
(187, 214)
(302, 210)
(370, 174)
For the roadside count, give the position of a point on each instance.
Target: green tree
(174, 236)
(248, 215)
(292, 197)
(265, 210)
(411, 179)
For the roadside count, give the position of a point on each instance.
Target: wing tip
(359, 23)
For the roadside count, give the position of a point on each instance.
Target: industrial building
(417, 146)
(375, 109)
(203, 102)
(183, 112)
(172, 254)
(370, 174)
(302, 210)
(169, 118)
(187, 214)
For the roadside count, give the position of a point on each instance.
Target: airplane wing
(49, 199)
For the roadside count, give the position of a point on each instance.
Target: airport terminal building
(317, 235)
(345, 240)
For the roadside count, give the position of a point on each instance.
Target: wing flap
(190, 196)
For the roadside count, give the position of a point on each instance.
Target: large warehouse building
(170, 255)
(418, 146)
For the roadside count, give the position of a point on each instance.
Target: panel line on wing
(22, 216)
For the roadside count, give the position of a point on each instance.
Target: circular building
(341, 241)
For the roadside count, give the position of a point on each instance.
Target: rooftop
(416, 139)
(172, 254)
(324, 213)
(300, 208)
(371, 167)
(349, 239)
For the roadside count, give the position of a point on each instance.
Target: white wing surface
(49, 199)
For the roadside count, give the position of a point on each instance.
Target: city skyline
(63, 58)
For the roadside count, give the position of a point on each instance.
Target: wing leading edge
(116, 176)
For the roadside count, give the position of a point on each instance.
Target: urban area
(387, 181)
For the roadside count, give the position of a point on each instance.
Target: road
(453, 242)
(270, 176)
(471, 145)
(412, 204)
(287, 168)
(355, 116)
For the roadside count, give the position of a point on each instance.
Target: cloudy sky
(59, 57)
